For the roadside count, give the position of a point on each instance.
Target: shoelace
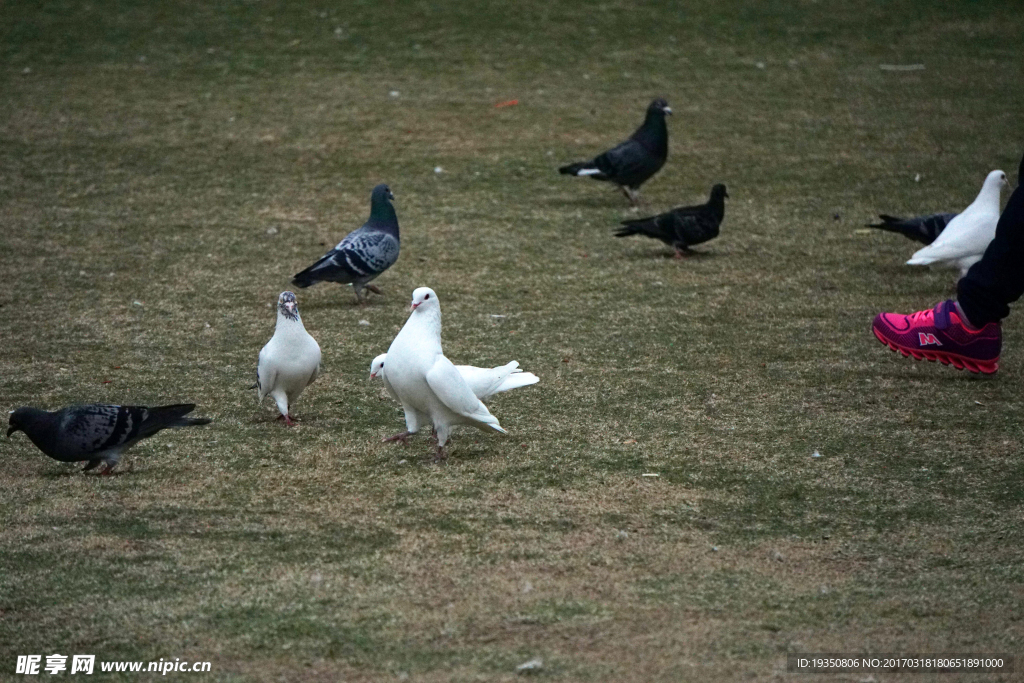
(914, 317)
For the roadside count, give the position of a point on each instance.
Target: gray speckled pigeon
(683, 227)
(97, 433)
(632, 162)
(363, 254)
(923, 229)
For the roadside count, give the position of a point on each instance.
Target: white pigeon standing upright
(966, 237)
(429, 387)
(485, 382)
(290, 361)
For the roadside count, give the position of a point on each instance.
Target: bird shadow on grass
(271, 419)
(597, 201)
(78, 471)
(64, 473)
(662, 254)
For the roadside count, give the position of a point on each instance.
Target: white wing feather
(447, 384)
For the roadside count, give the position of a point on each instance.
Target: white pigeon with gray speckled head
(290, 361)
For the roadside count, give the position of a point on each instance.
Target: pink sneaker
(941, 334)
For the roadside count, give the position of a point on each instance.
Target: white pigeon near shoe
(428, 385)
(485, 382)
(290, 361)
(964, 240)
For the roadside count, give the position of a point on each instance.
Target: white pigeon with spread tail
(485, 382)
(428, 385)
(966, 237)
(290, 361)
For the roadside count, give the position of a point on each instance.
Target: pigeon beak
(667, 110)
(413, 307)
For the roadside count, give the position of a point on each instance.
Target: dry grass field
(166, 167)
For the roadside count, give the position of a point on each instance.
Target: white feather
(588, 171)
(288, 363)
(965, 239)
(484, 382)
(427, 384)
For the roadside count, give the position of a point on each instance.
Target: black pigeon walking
(683, 227)
(632, 162)
(97, 433)
(923, 229)
(363, 254)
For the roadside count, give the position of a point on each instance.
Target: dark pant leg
(997, 280)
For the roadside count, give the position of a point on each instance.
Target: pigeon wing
(626, 161)
(965, 235)
(96, 428)
(362, 255)
(693, 227)
(266, 373)
(367, 252)
(451, 389)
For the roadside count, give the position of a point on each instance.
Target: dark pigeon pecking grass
(363, 254)
(923, 229)
(97, 433)
(631, 163)
(683, 227)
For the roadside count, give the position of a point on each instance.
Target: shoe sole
(957, 361)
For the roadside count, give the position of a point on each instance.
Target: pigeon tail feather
(305, 278)
(579, 168)
(644, 226)
(165, 417)
(518, 379)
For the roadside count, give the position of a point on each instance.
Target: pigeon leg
(681, 253)
(375, 289)
(631, 194)
(92, 464)
(111, 460)
(287, 420)
(358, 289)
(401, 436)
(441, 454)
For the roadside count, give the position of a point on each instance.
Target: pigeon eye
(426, 297)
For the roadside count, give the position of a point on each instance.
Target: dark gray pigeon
(923, 229)
(683, 227)
(363, 254)
(632, 162)
(97, 433)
